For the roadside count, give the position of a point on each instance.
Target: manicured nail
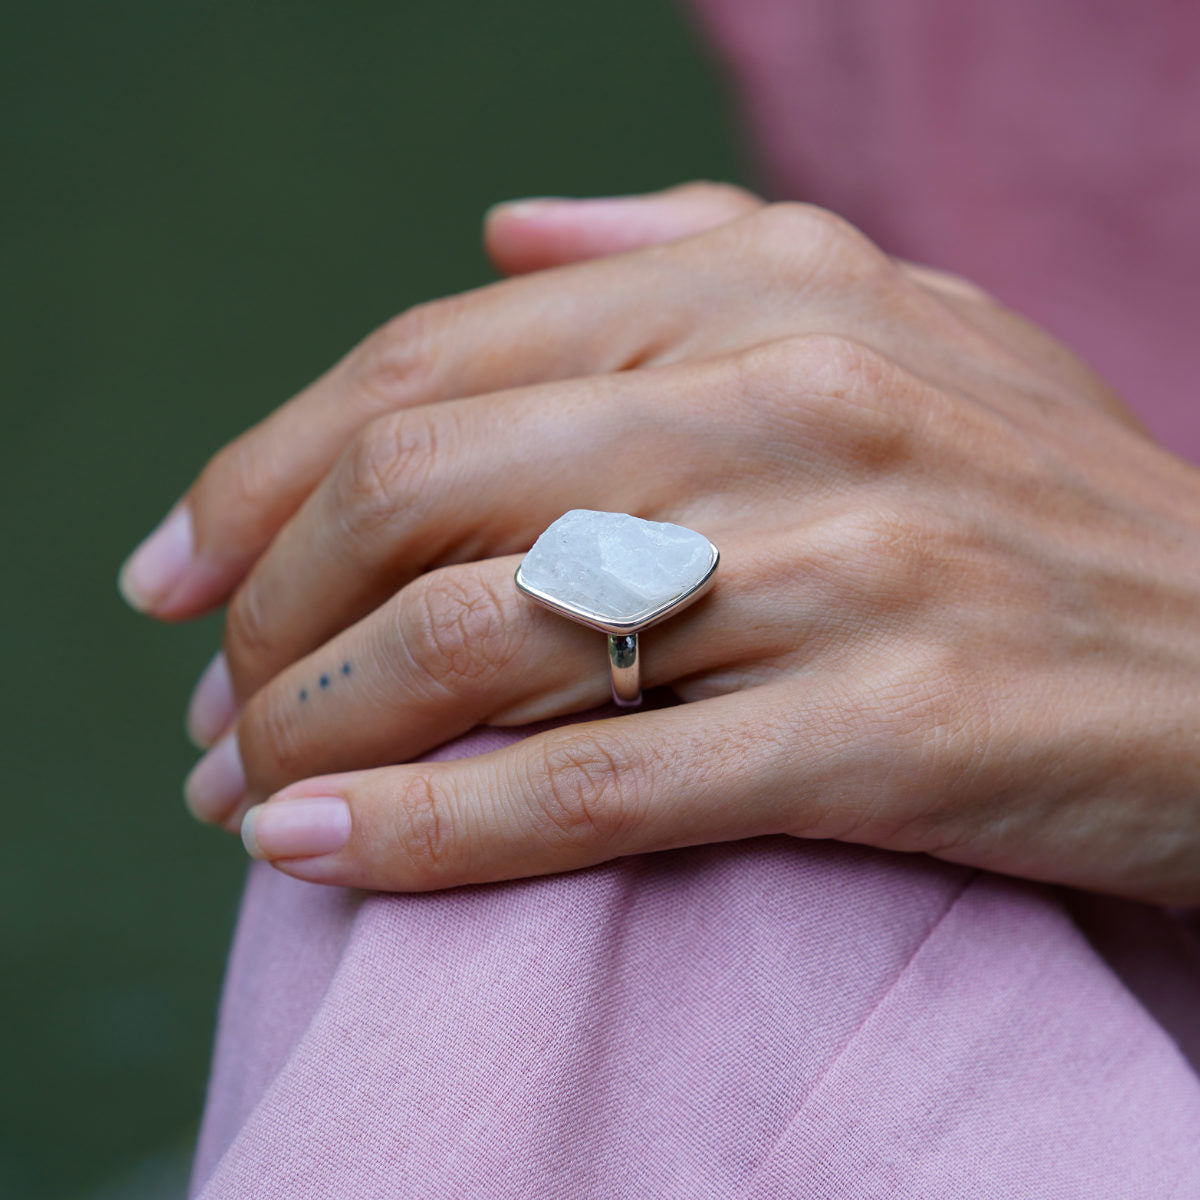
(217, 782)
(298, 828)
(529, 206)
(212, 705)
(157, 565)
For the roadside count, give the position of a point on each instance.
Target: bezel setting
(635, 624)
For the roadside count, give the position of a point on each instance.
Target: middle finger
(443, 484)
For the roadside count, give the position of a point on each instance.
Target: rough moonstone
(618, 567)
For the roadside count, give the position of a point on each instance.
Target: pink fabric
(1048, 149)
(763, 1019)
(776, 1018)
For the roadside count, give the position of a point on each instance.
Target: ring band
(619, 574)
(625, 668)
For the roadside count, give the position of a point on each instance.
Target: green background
(203, 205)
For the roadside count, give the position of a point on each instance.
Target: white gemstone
(618, 568)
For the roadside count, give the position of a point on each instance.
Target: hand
(957, 610)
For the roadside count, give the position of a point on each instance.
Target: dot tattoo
(324, 681)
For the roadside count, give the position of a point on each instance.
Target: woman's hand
(958, 609)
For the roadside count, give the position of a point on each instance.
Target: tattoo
(326, 680)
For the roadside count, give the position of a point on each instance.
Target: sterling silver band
(626, 669)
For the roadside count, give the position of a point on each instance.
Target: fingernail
(300, 828)
(156, 566)
(529, 206)
(212, 705)
(217, 782)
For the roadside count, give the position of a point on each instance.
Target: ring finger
(460, 647)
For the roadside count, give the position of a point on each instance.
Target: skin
(956, 611)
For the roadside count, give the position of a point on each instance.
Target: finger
(530, 235)
(460, 647)
(712, 771)
(460, 346)
(575, 321)
(454, 649)
(516, 332)
(439, 484)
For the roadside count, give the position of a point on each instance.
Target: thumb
(528, 235)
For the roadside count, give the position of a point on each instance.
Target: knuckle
(384, 470)
(865, 537)
(460, 631)
(272, 743)
(837, 365)
(788, 227)
(239, 482)
(585, 791)
(917, 747)
(888, 564)
(423, 829)
(396, 361)
(838, 392)
(729, 197)
(935, 720)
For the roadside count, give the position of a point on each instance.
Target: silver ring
(618, 574)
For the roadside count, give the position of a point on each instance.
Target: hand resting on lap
(958, 608)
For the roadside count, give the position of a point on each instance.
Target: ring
(619, 574)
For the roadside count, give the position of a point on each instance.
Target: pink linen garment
(763, 1019)
(1047, 149)
(776, 1018)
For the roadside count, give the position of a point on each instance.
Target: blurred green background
(203, 205)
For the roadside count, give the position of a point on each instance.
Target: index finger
(503, 335)
(565, 324)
